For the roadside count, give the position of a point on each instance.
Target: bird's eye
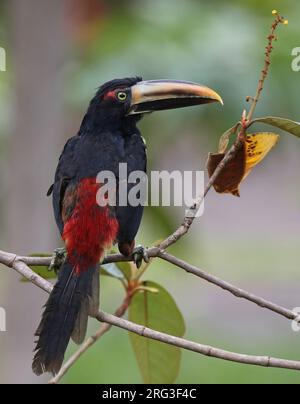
(122, 96)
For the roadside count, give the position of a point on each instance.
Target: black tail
(66, 310)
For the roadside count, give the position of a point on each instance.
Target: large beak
(158, 95)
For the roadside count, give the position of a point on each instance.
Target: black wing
(130, 217)
(65, 173)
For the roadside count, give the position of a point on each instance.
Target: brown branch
(267, 63)
(205, 350)
(237, 292)
(8, 258)
(18, 264)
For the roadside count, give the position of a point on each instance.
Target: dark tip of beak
(158, 95)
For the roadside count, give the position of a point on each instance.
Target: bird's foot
(139, 255)
(57, 260)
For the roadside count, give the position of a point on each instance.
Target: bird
(108, 136)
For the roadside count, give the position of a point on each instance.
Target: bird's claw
(57, 260)
(139, 255)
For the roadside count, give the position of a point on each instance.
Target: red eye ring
(110, 95)
(119, 95)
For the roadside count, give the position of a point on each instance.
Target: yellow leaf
(258, 146)
(254, 149)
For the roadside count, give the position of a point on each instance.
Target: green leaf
(41, 270)
(281, 123)
(225, 138)
(111, 270)
(158, 362)
(126, 269)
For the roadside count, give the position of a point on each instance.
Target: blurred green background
(58, 53)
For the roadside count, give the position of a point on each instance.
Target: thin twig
(8, 258)
(18, 264)
(205, 350)
(237, 292)
(42, 283)
(264, 73)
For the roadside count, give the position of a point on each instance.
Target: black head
(111, 103)
(123, 101)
